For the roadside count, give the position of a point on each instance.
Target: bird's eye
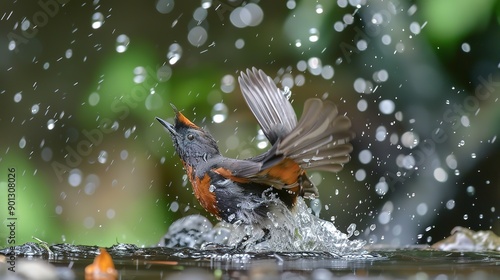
(190, 137)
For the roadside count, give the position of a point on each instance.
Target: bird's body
(241, 190)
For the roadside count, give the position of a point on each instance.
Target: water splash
(287, 231)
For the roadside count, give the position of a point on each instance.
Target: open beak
(168, 126)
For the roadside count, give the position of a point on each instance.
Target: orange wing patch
(227, 174)
(287, 171)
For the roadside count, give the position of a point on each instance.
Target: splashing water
(288, 231)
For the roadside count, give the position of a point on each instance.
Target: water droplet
(440, 175)
(97, 20)
(360, 175)
(153, 102)
(350, 230)
(89, 222)
(381, 187)
(206, 4)
(17, 97)
(124, 154)
(59, 209)
(290, 4)
(165, 6)
(75, 177)
(451, 161)
(200, 14)
(381, 76)
(122, 42)
(466, 217)
(164, 73)
(365, 156)
(338, 26)
(47, 154)
(362, 45)
(473, 155)
(110, 213)
(381, 133)
(410, 139)
(68, 54)
(103, 157)
(314, 65)
(422, 209)
(25, 24)
(362, 105)
(197, 36)
(387, 106)
(415, 28)
(174, 53)
(262, 141)
(316, 206)
(22, 143)
(377, 19)
(466, 47)
(400, 47)
(313, 35)
(302, 65)
(228, 83)
(174, 206)
(298, 43)
(386, 39)
(239, 44)
(319, 9)
(94, 99)
(327, 72)
(251, 14)
(471, 191)
(360, 85)
(139, 74)
(450, 204)
(50, 124)
(219, 112)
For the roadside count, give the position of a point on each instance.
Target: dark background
(436, 150)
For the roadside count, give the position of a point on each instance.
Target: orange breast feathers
(201, 189)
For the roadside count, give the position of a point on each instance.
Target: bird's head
(192, 143)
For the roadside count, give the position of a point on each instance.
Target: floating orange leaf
(102, 268)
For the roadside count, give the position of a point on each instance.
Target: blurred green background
(81, 83)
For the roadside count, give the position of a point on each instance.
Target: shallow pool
(133, 262)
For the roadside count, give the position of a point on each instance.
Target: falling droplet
(17, 97)
(313, 35)
(206, 4)
(122, 42)
(35, 108)
(319, 9)
(164, 73)
(219, 112)
(103, 157)
(174, 53)
(51, 124)
(22, 143)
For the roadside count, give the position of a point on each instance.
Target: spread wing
(269, 105)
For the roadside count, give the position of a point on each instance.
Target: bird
(241, 190)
